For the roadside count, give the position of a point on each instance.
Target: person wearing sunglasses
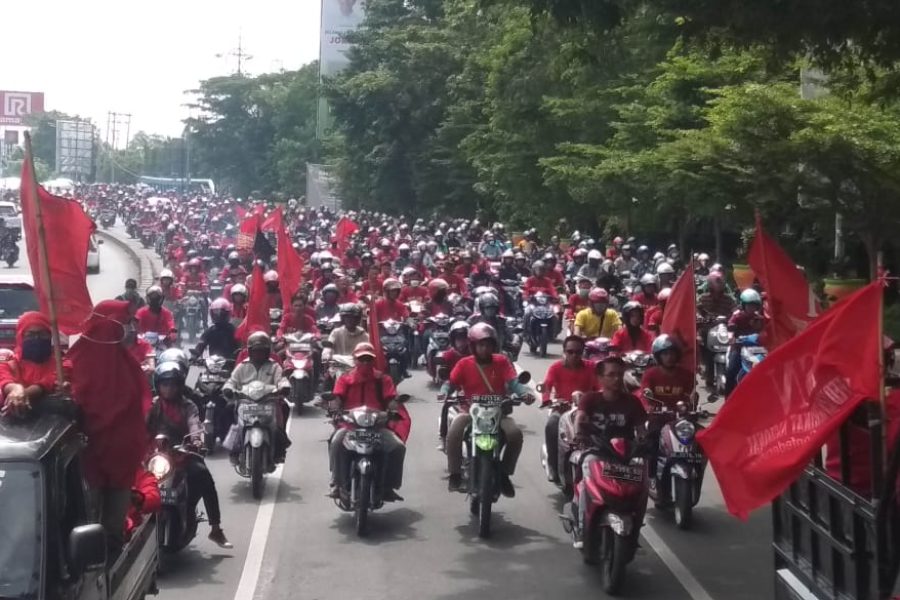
(565, 377)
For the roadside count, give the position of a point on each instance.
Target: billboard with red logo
(15, 106)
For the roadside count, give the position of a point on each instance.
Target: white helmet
(239, 288)
(595, 255)
(166, 273)
(325, 255)
(665, 269)
(703, 257)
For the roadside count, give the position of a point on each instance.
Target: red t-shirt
(451, 357)
(390, 309)
(624, 343)
(646, 301)
(669, 387)
(358, 390)
(536, 284)
(465, 376)
(576, 303)
(162, 323)
(563, 381)
(414, 293)
(290, 324)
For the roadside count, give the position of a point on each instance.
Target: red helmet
(482, 331)
(599, 295)
(437, 284)
(270, 276)
(195, 262)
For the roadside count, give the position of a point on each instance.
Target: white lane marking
(678, 568)
(257, 548)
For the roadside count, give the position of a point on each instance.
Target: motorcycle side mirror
(403, 398)
(524, 377)
(540, 387)
(443, 373)
(327, 396)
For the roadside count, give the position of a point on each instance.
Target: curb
(148, 263)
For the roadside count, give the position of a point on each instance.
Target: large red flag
(247, 232)
(680, 318)
(375, 340)
(782, 413)
(342, 232)
(257, 318)
(290, 265)
(67, 232)
(791, 303)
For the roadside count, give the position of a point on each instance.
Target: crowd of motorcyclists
(459, 298)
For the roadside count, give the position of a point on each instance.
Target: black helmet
(350, 309)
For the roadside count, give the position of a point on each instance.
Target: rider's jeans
(457, 432)
(201, 485)
(394, 453)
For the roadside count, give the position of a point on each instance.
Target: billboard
(15, 106)
(338, 18)
(74, 148)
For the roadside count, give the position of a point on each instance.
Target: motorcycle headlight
(684, 431)
(722, 337)
(365, 418)
(159, 465)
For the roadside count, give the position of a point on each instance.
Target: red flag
(791, 304)
(680, 318)
(273, 222)
(290, 265)
(257, 318)
(67, 232)
(375, 340)
(247, 232)
(782, 413)
(240, 212)
(342, 232)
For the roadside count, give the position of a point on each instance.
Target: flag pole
(43, 265)
(881, 369)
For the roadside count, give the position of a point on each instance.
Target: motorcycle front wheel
(256, 472)
(364, 493)
(684, 503)
(545, 339)
(614, 552)
(485, 493)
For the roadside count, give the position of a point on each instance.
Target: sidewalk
(149, 264)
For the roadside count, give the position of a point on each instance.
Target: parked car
(10, 218)
(16, 297)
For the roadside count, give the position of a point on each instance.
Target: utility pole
(115, 121)
(238, 53)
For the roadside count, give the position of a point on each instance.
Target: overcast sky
(94, 56)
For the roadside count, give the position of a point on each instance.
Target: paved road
(296, 544)
(115, 267)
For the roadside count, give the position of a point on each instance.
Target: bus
(164, 184)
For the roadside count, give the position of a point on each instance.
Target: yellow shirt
(589, 323)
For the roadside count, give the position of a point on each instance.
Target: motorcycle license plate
(364, 436)
(488, 400)
(249, 412)
(168, 495)
(690, 455)
(623, 472)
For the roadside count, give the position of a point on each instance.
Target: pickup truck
(51, 548)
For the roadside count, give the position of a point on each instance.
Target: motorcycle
(541, 327)
(564, 446)
(107, 218)
(413, 331)
(191, 307)
(364, 490)
(751, 353)
(299, 367)
(512, 292)
(148, 236)
(636, 363)
(680, 462)
(483, 445)
(716, 341)
(326, 325)
(394, 344)
(275, 315)
(177, 520)
(209, 386)
(9, 251)
(335, 366)
(438, 342)
(257, 425)
(597, 349)
(616, 490)
(513, 344)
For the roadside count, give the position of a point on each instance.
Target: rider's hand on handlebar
(228, 393)
(529, 399)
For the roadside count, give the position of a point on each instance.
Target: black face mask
(36, 350)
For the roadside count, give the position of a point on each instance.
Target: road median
(146, 260)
